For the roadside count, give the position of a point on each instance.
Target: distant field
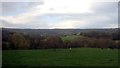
(61, 57)
(70, 37)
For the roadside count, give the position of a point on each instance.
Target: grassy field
(61, 57)
(70, 37)
(0, 58)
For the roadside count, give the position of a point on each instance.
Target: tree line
(13, 40)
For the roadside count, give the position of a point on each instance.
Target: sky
(61, 14)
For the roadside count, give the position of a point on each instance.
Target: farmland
(61, 57)
(92, 48)
(70, 37)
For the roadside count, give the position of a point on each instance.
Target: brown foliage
(20, 41)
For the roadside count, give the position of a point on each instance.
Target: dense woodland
(93, 39)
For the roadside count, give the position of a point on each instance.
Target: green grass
(0, 58)
(70, 37)
(61, 57)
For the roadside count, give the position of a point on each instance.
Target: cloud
(60, 14)
(38, 24)
(14, 8)
(69, 0)
(22, 17)
(69, 24)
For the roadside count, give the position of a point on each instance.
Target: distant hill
(55, 31)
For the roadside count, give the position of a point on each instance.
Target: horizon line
(55, 28)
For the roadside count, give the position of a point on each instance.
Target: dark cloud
(8, 24)
(37, 24)
(17, 7)
(105, 7)
(119, 14)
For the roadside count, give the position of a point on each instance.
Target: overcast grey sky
(49, 14)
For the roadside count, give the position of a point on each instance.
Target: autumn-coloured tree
(20, 41)
(105, 43)
(53, 42)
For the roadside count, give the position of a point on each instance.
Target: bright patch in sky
(65, 6)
